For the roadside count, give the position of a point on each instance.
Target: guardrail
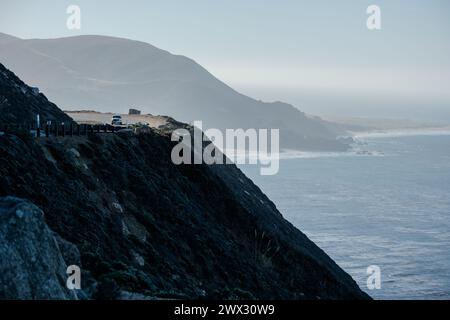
(59, 129)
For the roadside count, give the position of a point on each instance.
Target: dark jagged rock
(19, 103)
(145, 227)
(31, 262)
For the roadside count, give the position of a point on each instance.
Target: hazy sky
(315, 54)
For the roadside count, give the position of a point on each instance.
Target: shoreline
(402, 132)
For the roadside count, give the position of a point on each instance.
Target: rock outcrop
(31, 263)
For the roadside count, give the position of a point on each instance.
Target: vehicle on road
(116, 120)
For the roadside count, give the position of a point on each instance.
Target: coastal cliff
(143, 227)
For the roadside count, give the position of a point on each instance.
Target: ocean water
(386, 204)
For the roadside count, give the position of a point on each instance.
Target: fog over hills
(113, 74)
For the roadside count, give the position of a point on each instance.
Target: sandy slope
(92, 117)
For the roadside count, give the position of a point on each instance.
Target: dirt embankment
(93, 117)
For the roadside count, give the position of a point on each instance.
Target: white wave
(293, 154)
(403, 133)
(245, 156)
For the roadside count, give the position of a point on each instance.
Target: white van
(116, 120)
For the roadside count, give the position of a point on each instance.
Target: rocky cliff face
(31, 262)
(146, 228)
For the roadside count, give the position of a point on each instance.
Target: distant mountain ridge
(114, 74)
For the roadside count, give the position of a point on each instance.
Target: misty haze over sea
(389, 207)
(344, 105)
